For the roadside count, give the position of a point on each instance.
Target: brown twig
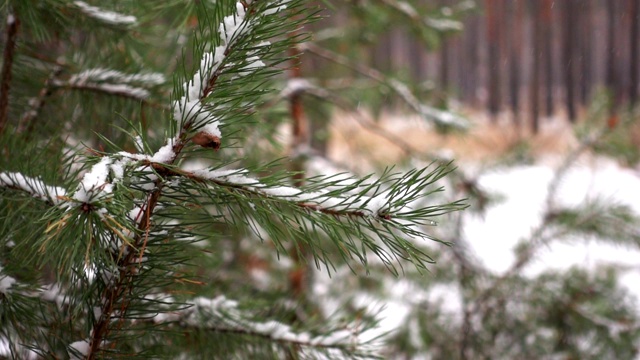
(405, 94)
(7, 62)
(27, 120)
(299, 275)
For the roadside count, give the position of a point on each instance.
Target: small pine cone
(206, 140)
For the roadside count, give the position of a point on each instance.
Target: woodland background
(532, 101)
(534, 58)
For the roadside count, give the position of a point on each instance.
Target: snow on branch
(98, 182)
(6, 282)
(439, 24)
(189, 110)
(223, 315)
(79, 349)
(36, 187)
(440, 117)
(393, 194)
(323, 200)
(109, 17)
(615, 328)
(113, 82)
(101, 75)
(123, 90)
(436, 116)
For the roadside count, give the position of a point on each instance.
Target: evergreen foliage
(124, 228)
(149, 209)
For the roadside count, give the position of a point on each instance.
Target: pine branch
(223, 316)
(121, 90)
(437, 116)
(27, 120)
(321, 201)
(418, 21)
(189, 114)
(37, 188)
(297, 87)
(615, 328)
(105, 16)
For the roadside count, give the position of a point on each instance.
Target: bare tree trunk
(472, 58)
(514, 22)
(547, 18)
(634, 13)
(586, 54)
(611, 39)
(534, 89)
(492, 9)
(444, 65)
(568, 60)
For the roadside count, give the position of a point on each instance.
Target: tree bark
(547, 18)
(568, 57)
(534, 89)
(611, 37)
(492, 10)
(514, 21)
(634, 13)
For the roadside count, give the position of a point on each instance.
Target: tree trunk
(547, 18)
(514, 22)
(534, 89)
(611, 39)
(492, 10)
(568, 57)
(633, 48)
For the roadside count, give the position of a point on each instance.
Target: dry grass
(485, 141)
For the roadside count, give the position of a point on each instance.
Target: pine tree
(134, 180)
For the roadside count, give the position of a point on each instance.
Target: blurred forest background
(542, 264)
(532, 58)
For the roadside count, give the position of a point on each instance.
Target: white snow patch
(36, 187)
(102, 74)
(110, 17)
(79, 348)
(165, 154)
(6, 282)
(525, 189)
(94, 184)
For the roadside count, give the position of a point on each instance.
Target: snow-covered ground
(524, 190)
(492, 237)
(522, 195)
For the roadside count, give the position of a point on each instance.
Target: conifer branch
(27, 120)
(105, 16)
(112, 82)
(189, 113)
(222, 316)
(11, 34)
(121, 90)
(35, 187)
(301, 86)
(437, 116)
(420, 21)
